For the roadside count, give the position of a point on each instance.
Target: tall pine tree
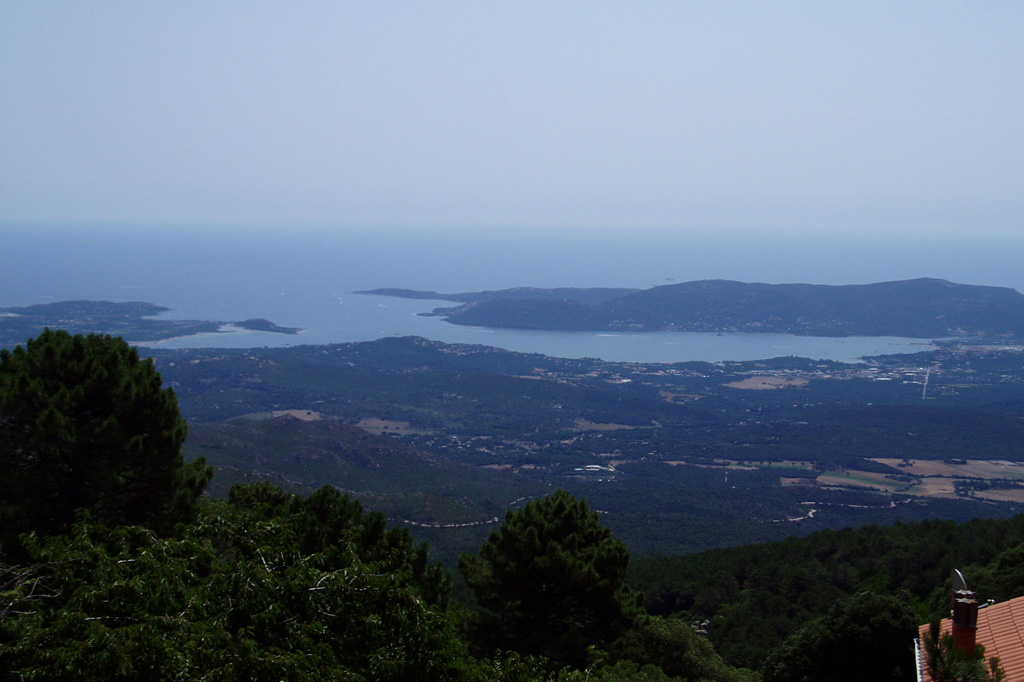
(554, 580)
(86, 424)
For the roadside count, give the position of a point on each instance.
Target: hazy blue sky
(893, 116)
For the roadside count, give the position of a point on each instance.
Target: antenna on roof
(959, 581)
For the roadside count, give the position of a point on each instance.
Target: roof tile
(1001, 632)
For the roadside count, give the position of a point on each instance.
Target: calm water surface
(366, 318)
(305, 279)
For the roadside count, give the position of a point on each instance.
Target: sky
(888, 117)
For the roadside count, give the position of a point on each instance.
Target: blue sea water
(304, 277)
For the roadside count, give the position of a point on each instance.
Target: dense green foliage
(85, 424)
(753, 597)
(265, 587)
(672, 646)
(554, 578)
(864, 637)
(270, 586)
(1001, 578)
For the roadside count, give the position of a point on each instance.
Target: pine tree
(86, 425)
(553, 578)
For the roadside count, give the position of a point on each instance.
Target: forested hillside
(751, 598)
(141, 579)
(137, 575)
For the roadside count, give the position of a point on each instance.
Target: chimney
(965, 620)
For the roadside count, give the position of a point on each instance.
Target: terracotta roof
(1000, 631)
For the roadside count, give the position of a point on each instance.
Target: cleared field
(304, 415)
(584, 425)
(679, 397)
(767, 383)
(1002, 495)
(934, 479)
(762, 464)
(380, 426)
(734, 467)
(787, 464)
(923, 478)
(860, 479)
(934, 487)
(744, 465)
(972, 468)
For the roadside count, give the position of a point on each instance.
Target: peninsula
(923, 308)
(132, 320)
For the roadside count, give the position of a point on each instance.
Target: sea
(306, 277)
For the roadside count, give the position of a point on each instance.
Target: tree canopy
(235, 596)
(268, 586)
(553, 578)
(864, 637)
(86, 424)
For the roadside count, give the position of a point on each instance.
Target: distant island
(258, 324)
(923, 308)
(132, 320)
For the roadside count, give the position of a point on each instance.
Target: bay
(304, 278)
(366, 318)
